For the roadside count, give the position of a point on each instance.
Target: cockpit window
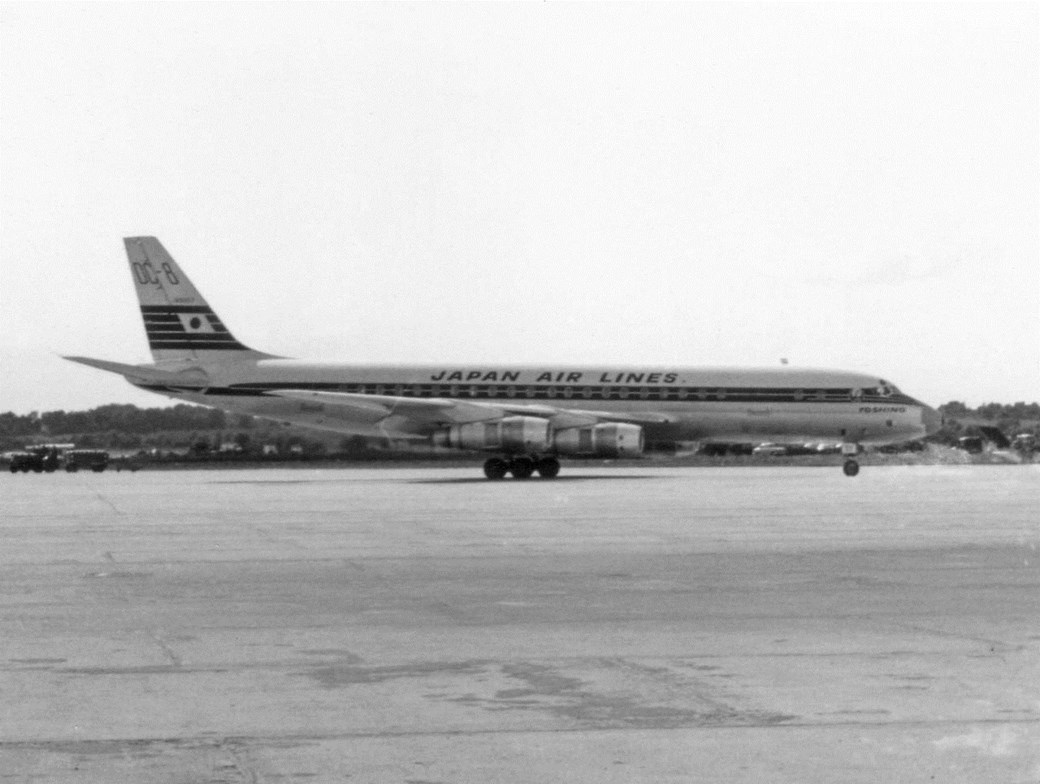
(884, 390)
(887, 389)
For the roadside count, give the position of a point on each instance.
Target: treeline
(114, 418)
(127, 426)
(179, 429)
(960, 420)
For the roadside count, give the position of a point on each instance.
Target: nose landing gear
(850, 449)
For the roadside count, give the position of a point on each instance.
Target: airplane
(525, 417)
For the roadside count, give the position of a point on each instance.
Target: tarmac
(426, 626)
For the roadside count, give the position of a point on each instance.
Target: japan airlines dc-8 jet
(526, 417)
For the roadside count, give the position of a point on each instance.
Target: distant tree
(954, 408)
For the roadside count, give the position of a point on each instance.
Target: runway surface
(429, 627)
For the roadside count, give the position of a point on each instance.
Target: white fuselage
(679, 404)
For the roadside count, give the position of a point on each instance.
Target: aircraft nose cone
(931, 419)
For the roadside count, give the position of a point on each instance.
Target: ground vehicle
(94, 459)
(36, 459)
(973, 445)
(1026, 445)
(48, 458)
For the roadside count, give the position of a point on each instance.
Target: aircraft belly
(736, 422)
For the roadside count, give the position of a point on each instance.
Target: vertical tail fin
(179, 323)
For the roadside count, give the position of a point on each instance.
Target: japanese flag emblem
(197, 323)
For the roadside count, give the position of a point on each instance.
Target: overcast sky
(847, 186)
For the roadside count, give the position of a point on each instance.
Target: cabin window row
(554, 392)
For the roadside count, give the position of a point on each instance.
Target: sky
(851, 186)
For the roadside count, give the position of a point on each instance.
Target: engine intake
(520, 434)
(608, 440)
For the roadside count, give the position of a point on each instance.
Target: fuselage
(672, 403)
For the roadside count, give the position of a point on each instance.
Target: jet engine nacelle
(520, 434)
(608, 440)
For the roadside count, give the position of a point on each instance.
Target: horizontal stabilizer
(145, 373)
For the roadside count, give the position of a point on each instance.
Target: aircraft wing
(420, 410)
(442, 411)
(563, 418)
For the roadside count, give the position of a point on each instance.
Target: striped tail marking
(187, 327)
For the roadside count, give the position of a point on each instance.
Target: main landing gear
(521, 467)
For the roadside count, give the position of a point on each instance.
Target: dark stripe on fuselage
(575, 395)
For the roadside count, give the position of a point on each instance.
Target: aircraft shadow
(533, 480)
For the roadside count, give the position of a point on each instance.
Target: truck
(94, 459)
(47, 458)
(36, 459)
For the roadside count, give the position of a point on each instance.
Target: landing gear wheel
(521, 468)
(548, 468)
(496, 468)
(851, 468)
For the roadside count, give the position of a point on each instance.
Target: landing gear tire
(548, 468)
(851, 468)
(521, 467)
(496, 468)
